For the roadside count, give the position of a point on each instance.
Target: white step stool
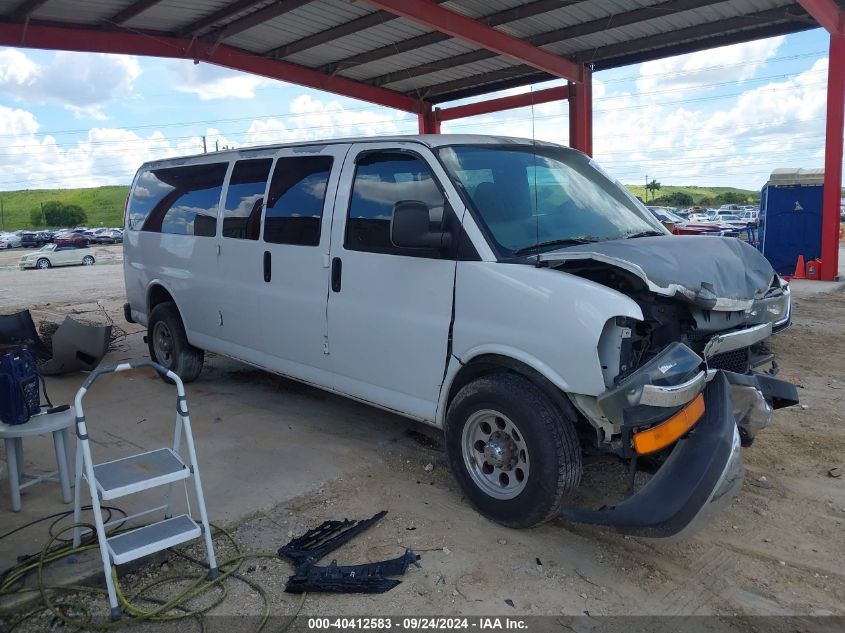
(128, 475)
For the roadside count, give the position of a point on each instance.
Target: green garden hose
(169, 610)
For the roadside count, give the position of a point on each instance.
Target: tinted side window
(295, 200)
(245, 197)
(381, 180)
(181, 200)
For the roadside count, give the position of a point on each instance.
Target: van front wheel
(514, 453)
(168, 343)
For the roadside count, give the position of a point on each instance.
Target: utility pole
(217, 145)
(2, 216)
(204, 149)
(43, 219)
(646, 187)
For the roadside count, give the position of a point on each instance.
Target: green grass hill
(104, 205)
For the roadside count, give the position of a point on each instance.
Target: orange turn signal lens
(663, 434)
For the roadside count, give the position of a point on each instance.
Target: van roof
(429, 140)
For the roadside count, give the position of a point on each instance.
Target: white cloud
(80, 82)
(735, 63)
(105, 156)
(313, 119)
(213, 82)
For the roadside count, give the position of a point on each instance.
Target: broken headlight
(774, 308)
(668, 381)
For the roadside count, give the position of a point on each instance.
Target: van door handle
(337, 269)
(267, 266)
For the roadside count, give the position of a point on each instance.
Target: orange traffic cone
(799, 269)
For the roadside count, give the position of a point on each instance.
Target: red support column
(833, 157)
(429, 123)
(581, 114)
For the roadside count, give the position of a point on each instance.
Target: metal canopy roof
(375, 49)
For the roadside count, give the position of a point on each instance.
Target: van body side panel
(183, 265)
(547, 319)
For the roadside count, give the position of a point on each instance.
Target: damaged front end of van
(689, 383)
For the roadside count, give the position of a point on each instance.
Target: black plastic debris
(304, 551)
(367, 578)
(325, 538)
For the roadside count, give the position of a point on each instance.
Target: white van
(506, 291)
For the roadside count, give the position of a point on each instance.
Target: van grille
(738, 360)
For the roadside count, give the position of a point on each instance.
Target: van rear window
(181, 200)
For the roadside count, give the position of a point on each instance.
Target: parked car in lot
(58, 254)
(107, 236)
(679, 226)
(35, 239)
(10, 240)
(503, 290)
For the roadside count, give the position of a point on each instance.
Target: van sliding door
(295, 266)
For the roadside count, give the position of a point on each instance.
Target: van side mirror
(410, 227)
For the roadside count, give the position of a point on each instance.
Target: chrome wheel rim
(163, 344)
(43, 264)
(87, 261)
(495, 454)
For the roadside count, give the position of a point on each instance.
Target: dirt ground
(778, 550)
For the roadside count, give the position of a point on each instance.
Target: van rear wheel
(168, 344)
(512, 450)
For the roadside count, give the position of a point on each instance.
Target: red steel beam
(827, 13)
(581, 115)
(429, 123)
(128, 43)
(504, 103)
(833, 158)
(460, 27)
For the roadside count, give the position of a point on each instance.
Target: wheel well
(493, 364)
(158, 294)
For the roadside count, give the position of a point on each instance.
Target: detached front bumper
(702, 474)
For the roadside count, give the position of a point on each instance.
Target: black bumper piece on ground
(704, 468)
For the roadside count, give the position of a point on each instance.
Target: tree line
(55, 213)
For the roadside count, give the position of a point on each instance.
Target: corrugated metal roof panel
(78, 11)
(574, 14)
(306, 20)
(478, 8)
(394, 63)
(172, 15)
(497, 65)
(367, 40)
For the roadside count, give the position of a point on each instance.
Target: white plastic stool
(13, 434)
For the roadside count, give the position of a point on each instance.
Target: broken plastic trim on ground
(304, 551)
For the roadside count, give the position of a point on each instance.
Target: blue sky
(724, 117)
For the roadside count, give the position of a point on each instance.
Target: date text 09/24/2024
(423, 623)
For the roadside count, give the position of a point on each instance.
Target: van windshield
(537, 199)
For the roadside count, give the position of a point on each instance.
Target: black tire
(183, 358)
(88, 260)
(43, 264)
(548, 435)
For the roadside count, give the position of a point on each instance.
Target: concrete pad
(260, 440)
